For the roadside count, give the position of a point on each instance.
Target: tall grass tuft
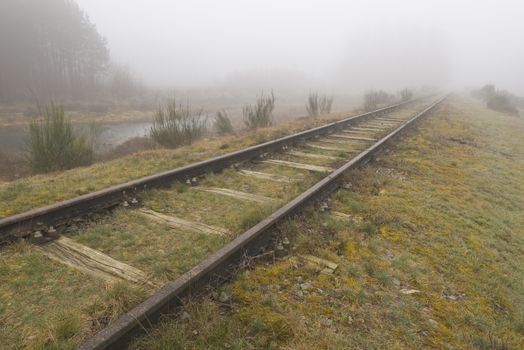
(222, 123)
(317, 105)
(175, 125)
(374, 99)
(260, 115)
(53, 144)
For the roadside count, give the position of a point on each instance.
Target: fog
(333, 45)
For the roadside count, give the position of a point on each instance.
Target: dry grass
(446, 211)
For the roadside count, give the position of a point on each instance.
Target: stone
(409, 291)
(396, 282)
(224, 298)
(305, 286)
(326, 322)
(326, 271)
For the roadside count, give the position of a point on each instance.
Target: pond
(13, 139)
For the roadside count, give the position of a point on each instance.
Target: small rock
(185, 316)
(188, 181)
(432, 322)
(326, 271)
(134, 201)
(125, 204)
(454, 297)
(194, 180)
(224, 297)
(280, 252)
(326, 322)
(195, 332)
(396, 282)
(306, 286)
(37, 234)
(409, 291)
(51, 229)
(389, 256)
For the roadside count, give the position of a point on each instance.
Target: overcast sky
(351, 44)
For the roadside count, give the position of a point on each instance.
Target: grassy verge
(432, 256)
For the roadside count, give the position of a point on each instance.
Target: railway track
(195, 232)
(47, 219)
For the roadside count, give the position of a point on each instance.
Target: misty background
(353, 45)
(113, 63)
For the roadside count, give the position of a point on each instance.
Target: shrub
(497, 100)
(53, 144)
(373, 99)
(317, 105)
(223, 123)
(484, 92)
(406, 94)
(501, 102)
(174, 126)
(260, 115)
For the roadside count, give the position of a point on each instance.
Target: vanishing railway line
(216, 213)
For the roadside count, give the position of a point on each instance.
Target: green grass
(445, 209)
(53, 145)
(174, 125)
(47, 305)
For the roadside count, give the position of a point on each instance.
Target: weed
(67, 326)
(260, 115)
(180, 187)
(374, 99)
(222, 123)
(369, 229)
(317, 105)
(175, 125)
(53, 145)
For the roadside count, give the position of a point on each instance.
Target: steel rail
(221, 263)
(21, 225)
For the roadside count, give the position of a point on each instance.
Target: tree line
(51, 49)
